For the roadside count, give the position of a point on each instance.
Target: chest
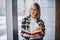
(33, 25)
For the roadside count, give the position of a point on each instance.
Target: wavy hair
(38, 8)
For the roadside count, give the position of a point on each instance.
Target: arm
(23, 26)
(42, 33)
(40, 29)
(26, 33)
(23, 29)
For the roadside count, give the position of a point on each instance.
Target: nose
(32, 12)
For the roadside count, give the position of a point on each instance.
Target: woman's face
(33, 11)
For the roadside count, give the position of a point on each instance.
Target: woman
(33, 24)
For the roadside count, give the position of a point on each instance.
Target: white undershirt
(33, 26)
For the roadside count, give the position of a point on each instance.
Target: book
(31, 33)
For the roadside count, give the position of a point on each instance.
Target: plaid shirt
(25, 25)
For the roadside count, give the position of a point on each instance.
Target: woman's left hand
(41, 32)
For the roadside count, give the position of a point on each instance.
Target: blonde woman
(33, 27)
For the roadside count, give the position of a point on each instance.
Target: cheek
(31, 14)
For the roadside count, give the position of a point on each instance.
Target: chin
(34, 17)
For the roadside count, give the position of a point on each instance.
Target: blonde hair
(38, 8)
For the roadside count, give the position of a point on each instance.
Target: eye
(34, 9)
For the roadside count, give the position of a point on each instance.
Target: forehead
(33, 7)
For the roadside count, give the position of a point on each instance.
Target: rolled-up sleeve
(43, 27)
(22, 26)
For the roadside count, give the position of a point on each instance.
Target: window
(3, 32)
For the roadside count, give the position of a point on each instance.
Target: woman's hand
(41, 32)
(27, 35)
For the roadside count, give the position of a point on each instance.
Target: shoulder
(25, 19)
(40, 21)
